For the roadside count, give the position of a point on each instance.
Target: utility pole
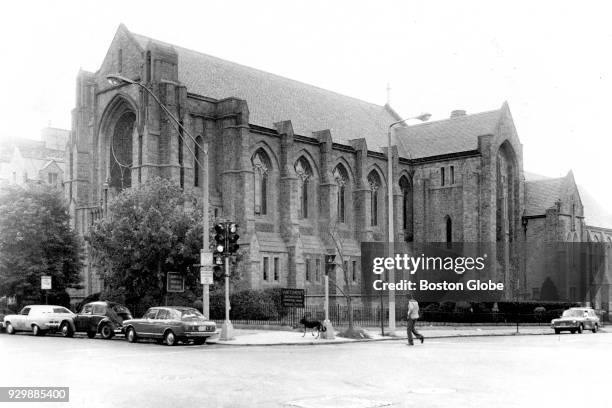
(206, 255)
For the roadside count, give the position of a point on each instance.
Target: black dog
(314, 325)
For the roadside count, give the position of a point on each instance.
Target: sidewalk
(249, 337)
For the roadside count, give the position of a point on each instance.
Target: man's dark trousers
(412, 330)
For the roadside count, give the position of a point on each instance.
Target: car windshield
(573, 313)
(190, 314)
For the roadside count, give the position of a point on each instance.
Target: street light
(390, 184)
(118, 80)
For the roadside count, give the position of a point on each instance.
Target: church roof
(594, 213)
(452, 135)
(542, 194)
(272, 98)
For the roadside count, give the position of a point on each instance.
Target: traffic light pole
(227, 330)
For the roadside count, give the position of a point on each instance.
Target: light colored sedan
(576, 319)
(38, 319)
(170, 324)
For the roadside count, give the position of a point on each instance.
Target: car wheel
(130, 335)
(107, 332)
(66, 330)
(170, 338)
(573, 331)
(37, 330)
(199, 342)
(580, 329)
(595, 328)
(91, 334)
(10, 329)
(557, 331)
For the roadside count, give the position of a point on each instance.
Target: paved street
(520, 371)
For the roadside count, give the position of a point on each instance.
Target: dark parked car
(170, 324)
(105, 318)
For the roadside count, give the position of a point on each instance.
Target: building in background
(28, 160)
(291, 162)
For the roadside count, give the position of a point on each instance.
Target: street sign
(45, 282)
(206, 258)
(206, 275)
(292, 297)
(206, 268)
(175, 282)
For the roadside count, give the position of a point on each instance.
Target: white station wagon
(38, 319)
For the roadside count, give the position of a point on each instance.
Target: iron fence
(371, 316)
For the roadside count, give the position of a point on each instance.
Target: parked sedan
(170, 324)
(575, 320)
(38, 319)
(105, 318)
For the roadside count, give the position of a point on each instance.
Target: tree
(36, 240)
(148, 232)
(346, 292)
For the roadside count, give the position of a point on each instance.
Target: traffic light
(218, 268)
(330, 263)
(220, 239)
(232, 238)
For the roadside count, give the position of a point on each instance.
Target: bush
(248, 305)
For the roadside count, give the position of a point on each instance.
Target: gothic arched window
(341, 177)
(304, 173)
(449, 229)
(121, 152)
(374, 182)
(261, 168)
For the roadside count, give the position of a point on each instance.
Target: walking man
(413, 315)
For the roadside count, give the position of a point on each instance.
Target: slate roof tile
(272, 98)
(452, 135)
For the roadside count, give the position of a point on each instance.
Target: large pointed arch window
(121, 152)
(341, 177)
(374, 183)
(304, 173)
(261, 169)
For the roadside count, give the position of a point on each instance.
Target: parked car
(170, 324)
(38, 319)
(101, 317)
(576, 319)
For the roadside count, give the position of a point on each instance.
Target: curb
(312, 343)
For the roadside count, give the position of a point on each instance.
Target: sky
(550, 60)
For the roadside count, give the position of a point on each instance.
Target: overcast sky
(549, 59)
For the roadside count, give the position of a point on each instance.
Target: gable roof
(542, 194)
(452, 135)
(272, 98)
(594, 213)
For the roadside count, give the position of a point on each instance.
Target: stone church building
(291, 162)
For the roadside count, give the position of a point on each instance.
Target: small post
(382, 318)
(329, 328)
(227, 330)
